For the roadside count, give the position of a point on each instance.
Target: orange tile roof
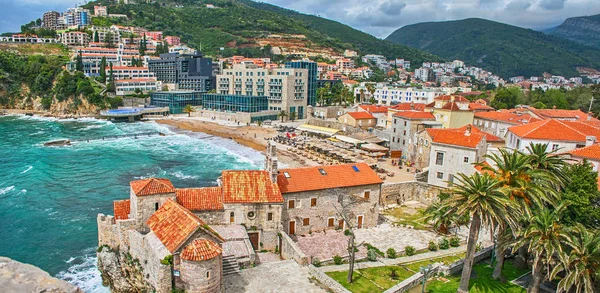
(477, 106)
(374, 108)
(151, 186)
(488, 136)
(409, 106)
(559, 113)
(121, 209)
(310, 178)
(509, 116)
(556, 130)
(201, 249)
(361, 115)
(200, 199)
(249, 186)
(451, 98)
(480, 168)
(415, 115)
(174, 224)
(452, 106)
(591, 152)
(458, 138)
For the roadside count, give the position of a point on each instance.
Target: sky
(377, 17)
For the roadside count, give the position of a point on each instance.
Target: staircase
(230, 265)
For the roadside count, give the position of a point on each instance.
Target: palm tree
(292, 116)
(189, 109)
(443, 218)
(543, 238)
(581, 263)
(282, 114)
(370, 88)
(550, 162)
(480, 197)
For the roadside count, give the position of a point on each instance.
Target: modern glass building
(189, 72)
(176, 101)
(312, 78)
(235, 103)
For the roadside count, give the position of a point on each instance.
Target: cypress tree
(111, 84)
(103, 70)
(79, 64)
(96, 38)
(143, 46)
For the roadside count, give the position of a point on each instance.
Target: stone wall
(456, 267)
(290, 250)
(201, 276)
(148, 251)
(412, 281)
(399, 193)
(326, 280)
(142, 207)
(327, 207)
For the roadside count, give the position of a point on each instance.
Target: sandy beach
(250, 136)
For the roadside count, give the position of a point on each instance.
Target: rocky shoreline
(19, 277)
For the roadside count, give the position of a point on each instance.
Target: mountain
(243, 27)
(584, 30)
(504, 49)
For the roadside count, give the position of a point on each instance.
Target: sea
(50, 196)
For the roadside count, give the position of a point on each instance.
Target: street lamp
(424, 271)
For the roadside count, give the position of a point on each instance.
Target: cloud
(15, 13)
(518, 5)
(552, 4)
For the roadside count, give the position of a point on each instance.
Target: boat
(58, 142)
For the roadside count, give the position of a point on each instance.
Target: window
(305, 221)
(330, 222)
(450, 180)
(208, 274)
(291, 204)
(313, 202)
(439, 158)
(404, 123)
(404, 132)
(367, 194)
(287, 175)
(554, 147)
(439, 175)
(322, 172)
(269, 216)
(155, 206)
(466, 159)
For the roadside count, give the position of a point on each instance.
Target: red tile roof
(589, 152)
(310, 178)
(200, 199)
(509, 116)
(374, 108)
(152, 186)
(480, 168)
(452, 106)
(488, 136)
(451, 98)
(409, 106)
(174, 224)
(480, 107)
(201, 249)
(361, 115)
(121, 209)
(430, 105)
(559, 113)
(556, 130)
(415, 115)
(250, 186)
(458, 137)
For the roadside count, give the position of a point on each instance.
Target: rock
(20, 277)
(120, 276)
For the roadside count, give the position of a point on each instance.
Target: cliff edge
(20, 277)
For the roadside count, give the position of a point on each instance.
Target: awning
(348, 139)
(318, 129)
(367, 137)
(373, 147)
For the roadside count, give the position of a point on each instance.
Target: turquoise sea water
(50, 196)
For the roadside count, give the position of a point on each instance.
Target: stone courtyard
(282, 276)
(324, 245)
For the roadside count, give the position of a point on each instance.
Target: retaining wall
(399, 193)
(326, 280)
(290, 250)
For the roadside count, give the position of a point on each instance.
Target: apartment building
(129, 86)
(75, 38)
(50, 20)
(388, 95)
(285, 88)
(405, 125)
(128, 72)
(100, 11)
(186, 72)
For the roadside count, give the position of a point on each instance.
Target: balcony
(274, 83)
(237, 82)
(275, 91)
(249, 82)
(260, 82)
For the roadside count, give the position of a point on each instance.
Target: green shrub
(444, 243)
(393, 274)
(337, 259)
(391, 253)
(432, 246)
(369, 246)
(371, 255)
(167, 261)
(454, 241)
(316, 262)
(410, 250)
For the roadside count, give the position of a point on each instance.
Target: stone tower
(271, 161)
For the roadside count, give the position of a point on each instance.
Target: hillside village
(378, 139)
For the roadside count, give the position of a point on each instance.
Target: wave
(180, 175)
(27, 170)
(84, 274)
(6, 190)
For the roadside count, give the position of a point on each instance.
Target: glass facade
(235, 103)
(176, 101)
(312, 78)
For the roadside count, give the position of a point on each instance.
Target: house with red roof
(455, 151)
(405, 125)
(451, 110)
(590, 153)
(359, 119)
(378, 111)
(560, 135)
(498, 122)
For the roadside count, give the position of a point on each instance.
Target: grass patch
(378, 279)
(482, 281)
(409, 216)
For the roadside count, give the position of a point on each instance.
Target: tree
(143, 46)
(103, 69)
(582, 196)
(96, 38)
(323, 94)
(111, 84)
(407, 79)
(108, 40)
(79, 63)
(580, 262)
(189, 109)
(480, 197)
(371, 89)
(507, 98)
(345, 212)
(282, 114)
(292, 116)
(38, 22)
(543, 238)
(442, 217)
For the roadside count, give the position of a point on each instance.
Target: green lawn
(482, 282)
(409, 216)
(378, 279)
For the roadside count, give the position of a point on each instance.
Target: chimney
(271, 161)
(412, 105)
(590, 140)
(468, 131)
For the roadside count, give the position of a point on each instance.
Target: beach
(249, 136)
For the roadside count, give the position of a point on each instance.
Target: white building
(387, 95)
(129, 86)
(562, 136)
